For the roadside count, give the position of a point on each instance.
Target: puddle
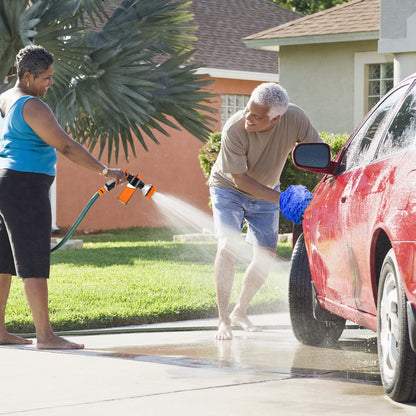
(346, 375)
(351, 359)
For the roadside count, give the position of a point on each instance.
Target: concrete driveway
(179, 369)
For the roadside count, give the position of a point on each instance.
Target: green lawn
(136, 276)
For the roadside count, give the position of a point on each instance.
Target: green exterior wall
(320, 79)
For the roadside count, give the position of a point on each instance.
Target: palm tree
(118, 76)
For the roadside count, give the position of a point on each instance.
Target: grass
(137, 276)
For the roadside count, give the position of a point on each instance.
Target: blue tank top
(21, 148)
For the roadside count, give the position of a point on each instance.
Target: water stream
(180, 213)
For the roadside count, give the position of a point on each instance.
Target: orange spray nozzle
(135, 182)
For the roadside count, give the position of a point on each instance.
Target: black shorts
(25, 223)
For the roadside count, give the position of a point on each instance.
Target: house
(173, 166)
(337, 63)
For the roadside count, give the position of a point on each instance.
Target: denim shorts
(230, 208)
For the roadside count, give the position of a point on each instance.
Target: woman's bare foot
(10, 339)
(243, 322)
(53, 342)
(224, 332)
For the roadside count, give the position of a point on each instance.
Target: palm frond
(17, 28)
(119, 81)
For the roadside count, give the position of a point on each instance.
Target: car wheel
(397, 360)
(306, 328)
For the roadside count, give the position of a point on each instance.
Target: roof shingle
(223, 25)
(351, 17)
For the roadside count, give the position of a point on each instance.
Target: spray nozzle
(148, 191)
(133, 183)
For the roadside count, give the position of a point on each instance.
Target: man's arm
(247, 184)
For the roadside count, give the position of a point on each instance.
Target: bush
(335, 141)
(290, 175)
(209, 152)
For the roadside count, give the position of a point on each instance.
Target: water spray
(133, 183)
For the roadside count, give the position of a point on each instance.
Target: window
(361, 149)
(230, 104)
(380, 81)
(362, 62)
(402, 130)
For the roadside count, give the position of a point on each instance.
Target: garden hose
(133, 183)
(105, 188)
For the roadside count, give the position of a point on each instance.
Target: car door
(372, 188)
(324, 237)
(335, 251)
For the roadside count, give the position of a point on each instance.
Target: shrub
(290, 175)
(335, 141)
(209, 152)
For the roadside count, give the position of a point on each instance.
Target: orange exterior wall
(172, 166)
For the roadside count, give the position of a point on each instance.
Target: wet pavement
(179, 369)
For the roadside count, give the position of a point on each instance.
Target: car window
(402, 131)
(362, 146)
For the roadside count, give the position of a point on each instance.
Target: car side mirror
(315, 157)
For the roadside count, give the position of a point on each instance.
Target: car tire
(397, 360)
(306, 328)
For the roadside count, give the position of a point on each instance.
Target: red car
(356, 257)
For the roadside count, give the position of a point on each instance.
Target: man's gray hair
(272, 95)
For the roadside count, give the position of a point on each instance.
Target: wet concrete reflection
(346, 360)
(352, 358)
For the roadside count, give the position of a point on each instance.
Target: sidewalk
(179, 369)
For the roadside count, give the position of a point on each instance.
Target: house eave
(241, 75)
(275, 43)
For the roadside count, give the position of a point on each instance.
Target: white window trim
(361, 59)
(241, 75)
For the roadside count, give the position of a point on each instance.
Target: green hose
(107, 187)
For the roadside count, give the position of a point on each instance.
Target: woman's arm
(43, 122)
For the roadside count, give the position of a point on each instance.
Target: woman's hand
(117, 174)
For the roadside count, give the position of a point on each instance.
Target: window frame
(361, 62)
(380, 81)
(364, 127)
(379, 156)
(235, 108)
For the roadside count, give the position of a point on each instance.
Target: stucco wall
(320, 79)
(172, 166)
(393, 18)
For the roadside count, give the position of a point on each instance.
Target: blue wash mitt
(294, 201)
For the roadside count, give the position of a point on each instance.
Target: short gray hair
(272, 95)
(34, 59)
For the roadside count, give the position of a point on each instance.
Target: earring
(27, 83)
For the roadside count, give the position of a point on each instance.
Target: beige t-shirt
(261, 155)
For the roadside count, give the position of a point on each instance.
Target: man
(244, 185)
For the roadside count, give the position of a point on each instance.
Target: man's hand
(294, 201)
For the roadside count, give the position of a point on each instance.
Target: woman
(29, 135)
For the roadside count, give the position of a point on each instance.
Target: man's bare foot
(53, 342)
(224, 332)
(244, 323)
(10, 339)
